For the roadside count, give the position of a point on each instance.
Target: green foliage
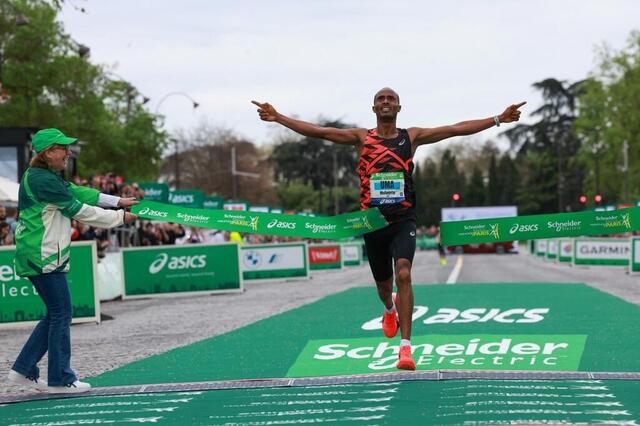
(50, 85)
(608, 117)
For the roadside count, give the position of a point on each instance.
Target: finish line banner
(540, 226)
(332, 227)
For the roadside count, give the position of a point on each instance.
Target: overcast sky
(449, 61)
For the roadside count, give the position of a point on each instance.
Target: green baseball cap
(49, 137)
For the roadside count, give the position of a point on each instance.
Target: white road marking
(453, 276)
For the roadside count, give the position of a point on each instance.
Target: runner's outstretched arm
(422, 136)
(341, 136)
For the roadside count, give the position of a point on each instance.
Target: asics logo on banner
(523, 228)
(153, 213)
(177, 262)
(281, 224)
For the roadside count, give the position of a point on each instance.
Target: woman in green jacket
(47, 203)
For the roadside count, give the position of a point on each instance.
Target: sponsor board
(155, 191)
(212, 202)
(552, 249)
(20, 302)
(565, 250)
(541, 247)
(324, 256)
(634, 262)
(187, 198)
(441, 352)
(271, 261)
(169, 270)
(351, 254)
(602, 251)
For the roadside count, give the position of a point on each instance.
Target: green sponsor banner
(236, 205)
(155, 191)
(212, 202)
(332, 227)
(180, 269)
(441, 352)
(634, 262)
(187, 198)
(540, 226)
(602, 251)
(19, 300)
(272, 261)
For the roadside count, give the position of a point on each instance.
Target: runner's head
(386, 104)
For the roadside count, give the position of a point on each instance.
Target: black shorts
(387, 245)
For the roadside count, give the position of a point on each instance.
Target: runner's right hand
(266, 111)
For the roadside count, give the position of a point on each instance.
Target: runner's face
(386, 104)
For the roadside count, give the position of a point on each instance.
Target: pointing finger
(257, 103)
(520, 104)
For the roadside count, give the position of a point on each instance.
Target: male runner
(385, 168)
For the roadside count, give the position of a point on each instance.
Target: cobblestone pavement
(140, 328)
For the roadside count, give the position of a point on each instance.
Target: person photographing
(47, 204)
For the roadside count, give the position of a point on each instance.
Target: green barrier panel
(351, 254)
(19, 301)
(634, 263)
(494, 326)
(333, 227)
(167, 270)
(325, 256)
(424, 242)
(451, 402)
(540, 226)
(192, 198)
(271, 261)
(155, 191)
(602, 251)
(212, 202)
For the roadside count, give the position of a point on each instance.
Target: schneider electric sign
(180, 269)
(490, 351)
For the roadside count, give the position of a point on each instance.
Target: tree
(50, 85)
(608, 119)
(474, 194)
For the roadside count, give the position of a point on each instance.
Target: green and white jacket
(47, 203)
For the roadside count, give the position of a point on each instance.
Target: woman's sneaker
(75, 387)
(33, 382)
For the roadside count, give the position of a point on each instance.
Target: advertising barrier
(351, 254)
(634, 262)
(270, 261)
(541, 247)
(170, 270)
(565, 250)
(324, 256)
(19, 300)
(601, 251)
(552, 249)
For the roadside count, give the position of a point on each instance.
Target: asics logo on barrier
(180, 199)
(281, 224)
(177, 262)
(523, 228)
(153, 213)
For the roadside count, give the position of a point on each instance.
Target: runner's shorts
(385, 246)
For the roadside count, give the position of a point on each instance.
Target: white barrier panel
(634, 264)
(601, 251)
(541, 247)
(565, 250)
(552, 249)
(274, 261)
(351, 254)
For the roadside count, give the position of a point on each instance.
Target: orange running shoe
(390, 322)
(405, 360)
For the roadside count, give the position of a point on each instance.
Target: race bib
(386, 188)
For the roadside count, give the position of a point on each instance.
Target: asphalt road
(136, 329)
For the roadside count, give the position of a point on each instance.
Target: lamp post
(174, 140)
